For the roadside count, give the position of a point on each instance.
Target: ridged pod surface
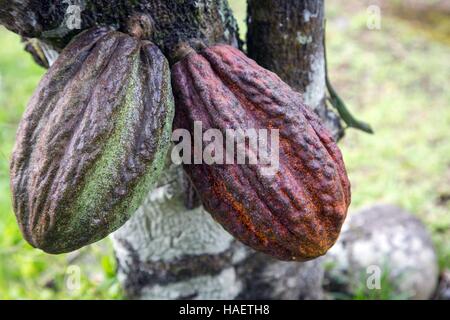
(295, 214)
(92, 141)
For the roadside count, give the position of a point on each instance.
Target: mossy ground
(396, 78)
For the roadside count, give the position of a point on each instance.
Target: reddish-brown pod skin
(295, 214)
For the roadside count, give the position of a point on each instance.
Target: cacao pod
(295, 214)
(93, 139)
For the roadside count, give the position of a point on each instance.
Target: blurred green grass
(396, 78)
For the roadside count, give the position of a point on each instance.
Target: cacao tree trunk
(172, 248)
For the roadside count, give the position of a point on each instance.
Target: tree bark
(170, 248)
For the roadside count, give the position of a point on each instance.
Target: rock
(383, 252)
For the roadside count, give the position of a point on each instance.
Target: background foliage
(396, 78)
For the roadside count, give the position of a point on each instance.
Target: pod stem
(140, 26)
(185, 48)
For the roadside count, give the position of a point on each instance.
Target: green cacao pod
(93, 139)
(295, 214)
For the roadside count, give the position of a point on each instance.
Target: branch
(210, 21)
